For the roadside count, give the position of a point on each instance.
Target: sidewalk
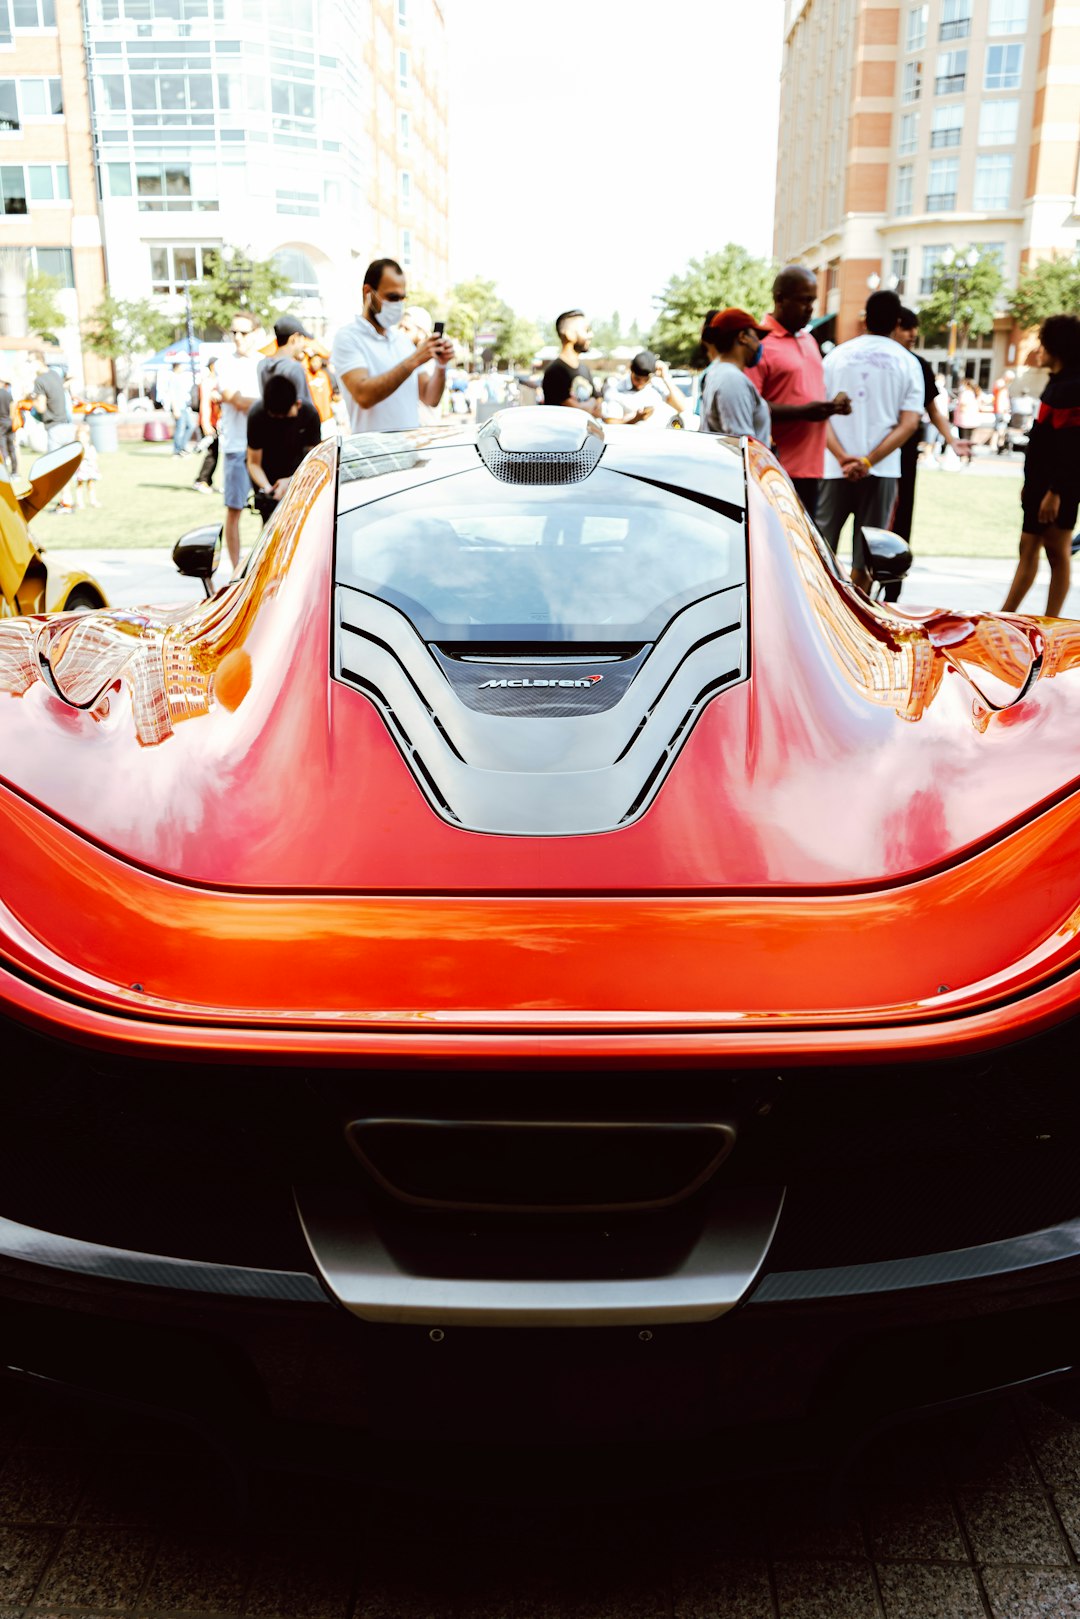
(133, 578)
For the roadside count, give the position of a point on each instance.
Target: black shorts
(1031, 498)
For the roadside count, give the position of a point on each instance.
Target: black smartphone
(439, 328)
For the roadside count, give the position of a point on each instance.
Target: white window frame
(935, 191)
(1000, 164)
(34, 28)
(899, 266)
(1004, 50)
(905, 189)
(948, 119)
(165, 202)
(907, 143)
(1008, 17)
(403, 69)
(911, 86)
(67, 282)
(176, 285)
(20, 81)
(947, 70)
(406, 248)
(932, 256)
(916, 28)
(989, 113)
(56, 200)
(952, 17)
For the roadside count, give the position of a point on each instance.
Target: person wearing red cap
(729, 401)
(791, 378)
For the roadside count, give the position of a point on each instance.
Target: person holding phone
(646, 394)
(417, 324)
(378, 364)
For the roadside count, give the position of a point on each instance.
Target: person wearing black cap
(288, 362)
(729, 401)
(647, 394)
(906, 333)
(281, 429)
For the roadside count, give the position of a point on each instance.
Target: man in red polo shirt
(789, 376)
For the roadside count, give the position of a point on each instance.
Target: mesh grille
(539, 466)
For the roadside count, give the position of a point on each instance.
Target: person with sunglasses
(238, 385)
(384, 375)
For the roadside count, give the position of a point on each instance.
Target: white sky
(596, 146)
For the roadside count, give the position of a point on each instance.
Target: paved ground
(974, 1517)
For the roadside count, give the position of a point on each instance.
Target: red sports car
(541, 955)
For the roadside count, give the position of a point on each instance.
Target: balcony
(941, 202)
(958, 28)
(950, 84)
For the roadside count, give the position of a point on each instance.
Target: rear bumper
(151, 1252)
(299, 1379)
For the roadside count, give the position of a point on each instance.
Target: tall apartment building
(310, 131)
(909, 129)
(47, 178)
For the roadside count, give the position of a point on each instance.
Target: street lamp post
(963, 262)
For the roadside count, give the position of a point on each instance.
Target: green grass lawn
(970, 513)
(147, 500)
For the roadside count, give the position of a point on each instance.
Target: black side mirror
(889, 555)
(196, 553)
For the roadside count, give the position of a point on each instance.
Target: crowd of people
(846, 425)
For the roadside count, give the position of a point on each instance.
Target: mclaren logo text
(590, 680)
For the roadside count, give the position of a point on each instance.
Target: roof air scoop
(540, 444)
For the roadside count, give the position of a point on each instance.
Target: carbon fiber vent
(542, 689)
(544, 449)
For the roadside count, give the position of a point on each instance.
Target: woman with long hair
(1051, 492)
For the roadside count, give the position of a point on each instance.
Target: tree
(607, 332)
(121, 327)
(233, 280)
(977, 293)
(475, 307)
(518, 341)
(731, 277)
(1051, 288)
(44, 317)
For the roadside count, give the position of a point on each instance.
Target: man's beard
(581, 345)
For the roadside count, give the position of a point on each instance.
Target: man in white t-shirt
(646, 394)
(862, 459)
(377, 364)
(238, 385)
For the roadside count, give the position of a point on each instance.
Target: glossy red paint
(871, 843)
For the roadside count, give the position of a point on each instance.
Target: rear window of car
(606, 559)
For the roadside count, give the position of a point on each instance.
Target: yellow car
(27, 582)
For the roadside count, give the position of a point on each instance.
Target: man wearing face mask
(729, 401)
(378, 364)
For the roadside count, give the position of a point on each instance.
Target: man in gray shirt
(729, 401)
(292, 339)
(50, 402)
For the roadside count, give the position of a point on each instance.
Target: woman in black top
(1051, 492)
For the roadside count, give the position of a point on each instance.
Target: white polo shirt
(359, 347)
